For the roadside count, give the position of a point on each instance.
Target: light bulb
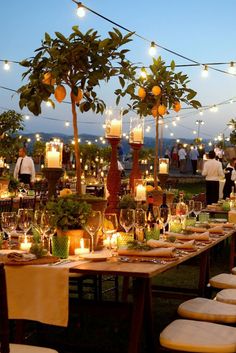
(177, 118)
(232, 69)
(201, 113)
(173, 123)
(6, 65)
(194, 132)
(27, 117)
(67, 124)
(81, 11)
(49, 104)
(166, 126)
(143, 73)
(210, 143)
(152, 50)
(171, 134)
(205, 71)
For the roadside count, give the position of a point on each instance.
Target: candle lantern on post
(163, 174)
(53, 165)
(113, 135)
(136, 141)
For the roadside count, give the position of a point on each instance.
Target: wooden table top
(146, 269)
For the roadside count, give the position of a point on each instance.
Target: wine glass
(127, 218)
(92, 225)
(110, 226)
(197, 208)
(9, 223)
(164, 217)
(190, 207)
(25, 219)
(140, 222)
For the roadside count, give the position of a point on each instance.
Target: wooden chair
(27, 202)
(5, 346)
(6, 205)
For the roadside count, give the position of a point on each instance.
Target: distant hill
(149, 142)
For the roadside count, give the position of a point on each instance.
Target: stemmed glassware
(9, 223)
(190, 207)
(110, 226)
(127, 218)
(164, 217)
(92, 225)
(139, 223)
(197, 208)
(25, 219)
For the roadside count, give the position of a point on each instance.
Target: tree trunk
(156, 153)
(77, 150)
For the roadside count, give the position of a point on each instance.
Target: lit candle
(163, 168)
(1, 163)
(82, 249)
(115, 128)
(25, 245)
(137, 135)
(53, 158)
(140, 193)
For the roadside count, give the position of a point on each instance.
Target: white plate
(95, 257)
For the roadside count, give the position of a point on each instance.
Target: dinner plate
(95, 257)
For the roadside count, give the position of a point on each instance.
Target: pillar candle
(137, 135)
(115, 128)
(163, 168)
(53, 158)
(140, 193)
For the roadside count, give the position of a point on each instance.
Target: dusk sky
(204, 31)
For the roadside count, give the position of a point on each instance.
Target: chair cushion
(233, 271)
(199, 336)
(223, 280)
(227, 296)
(208, 310)
(23, 348)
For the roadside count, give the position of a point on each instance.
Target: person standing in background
(193, 155)
(230, 177)
(24, 169)
(182, 159)
(213, 172)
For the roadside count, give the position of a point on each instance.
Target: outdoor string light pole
(199, 123)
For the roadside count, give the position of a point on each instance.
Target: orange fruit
(176, 106)
(162, 109)
(60, 93)
(48, 79)
(156, 90)
(155, 111)
(141, 93)
(79, 96)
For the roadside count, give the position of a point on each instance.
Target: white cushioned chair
(233, 271)
(198, 336)
(223, 280)
(208, 310)
(227, 296)
(5, 346)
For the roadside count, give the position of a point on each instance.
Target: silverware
(63, 261)
(141, 259)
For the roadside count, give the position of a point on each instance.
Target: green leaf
(118, 100)
(172, 65)
(191, 95)
(122, 81)
(61, 37)
(47, 37)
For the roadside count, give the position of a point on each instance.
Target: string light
(194, 132)
(152, 50)
(6, 65)
(171, 134)
(201, 113)
(67, 124)
(232, 69)
(143, 73)
(49, 104)
(205, 71)
(81, 12)
(27, 117)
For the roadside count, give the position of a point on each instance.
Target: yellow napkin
(193, 236)
(216, 230)
(165, 244)
(160, 252)
(196, 229)
(38, 293)
(223, 225)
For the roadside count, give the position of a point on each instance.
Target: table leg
(142, 310)
(204, 273)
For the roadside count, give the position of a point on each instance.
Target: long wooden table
(142, 273)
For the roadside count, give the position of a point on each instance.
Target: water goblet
(197, 208)
(164, 217)
(139, 223)
(190, 207)
(127, 218)
(25, 219)
(109, 227)
(92, 225)
(8, 223)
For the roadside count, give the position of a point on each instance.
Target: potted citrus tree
(161, 89)
(75, 66)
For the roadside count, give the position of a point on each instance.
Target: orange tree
(162, 89)
(78, 64)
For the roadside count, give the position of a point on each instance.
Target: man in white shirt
(24, 169)
(213, 172)
(182, 159)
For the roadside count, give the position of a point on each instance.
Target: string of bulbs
(153, 45)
